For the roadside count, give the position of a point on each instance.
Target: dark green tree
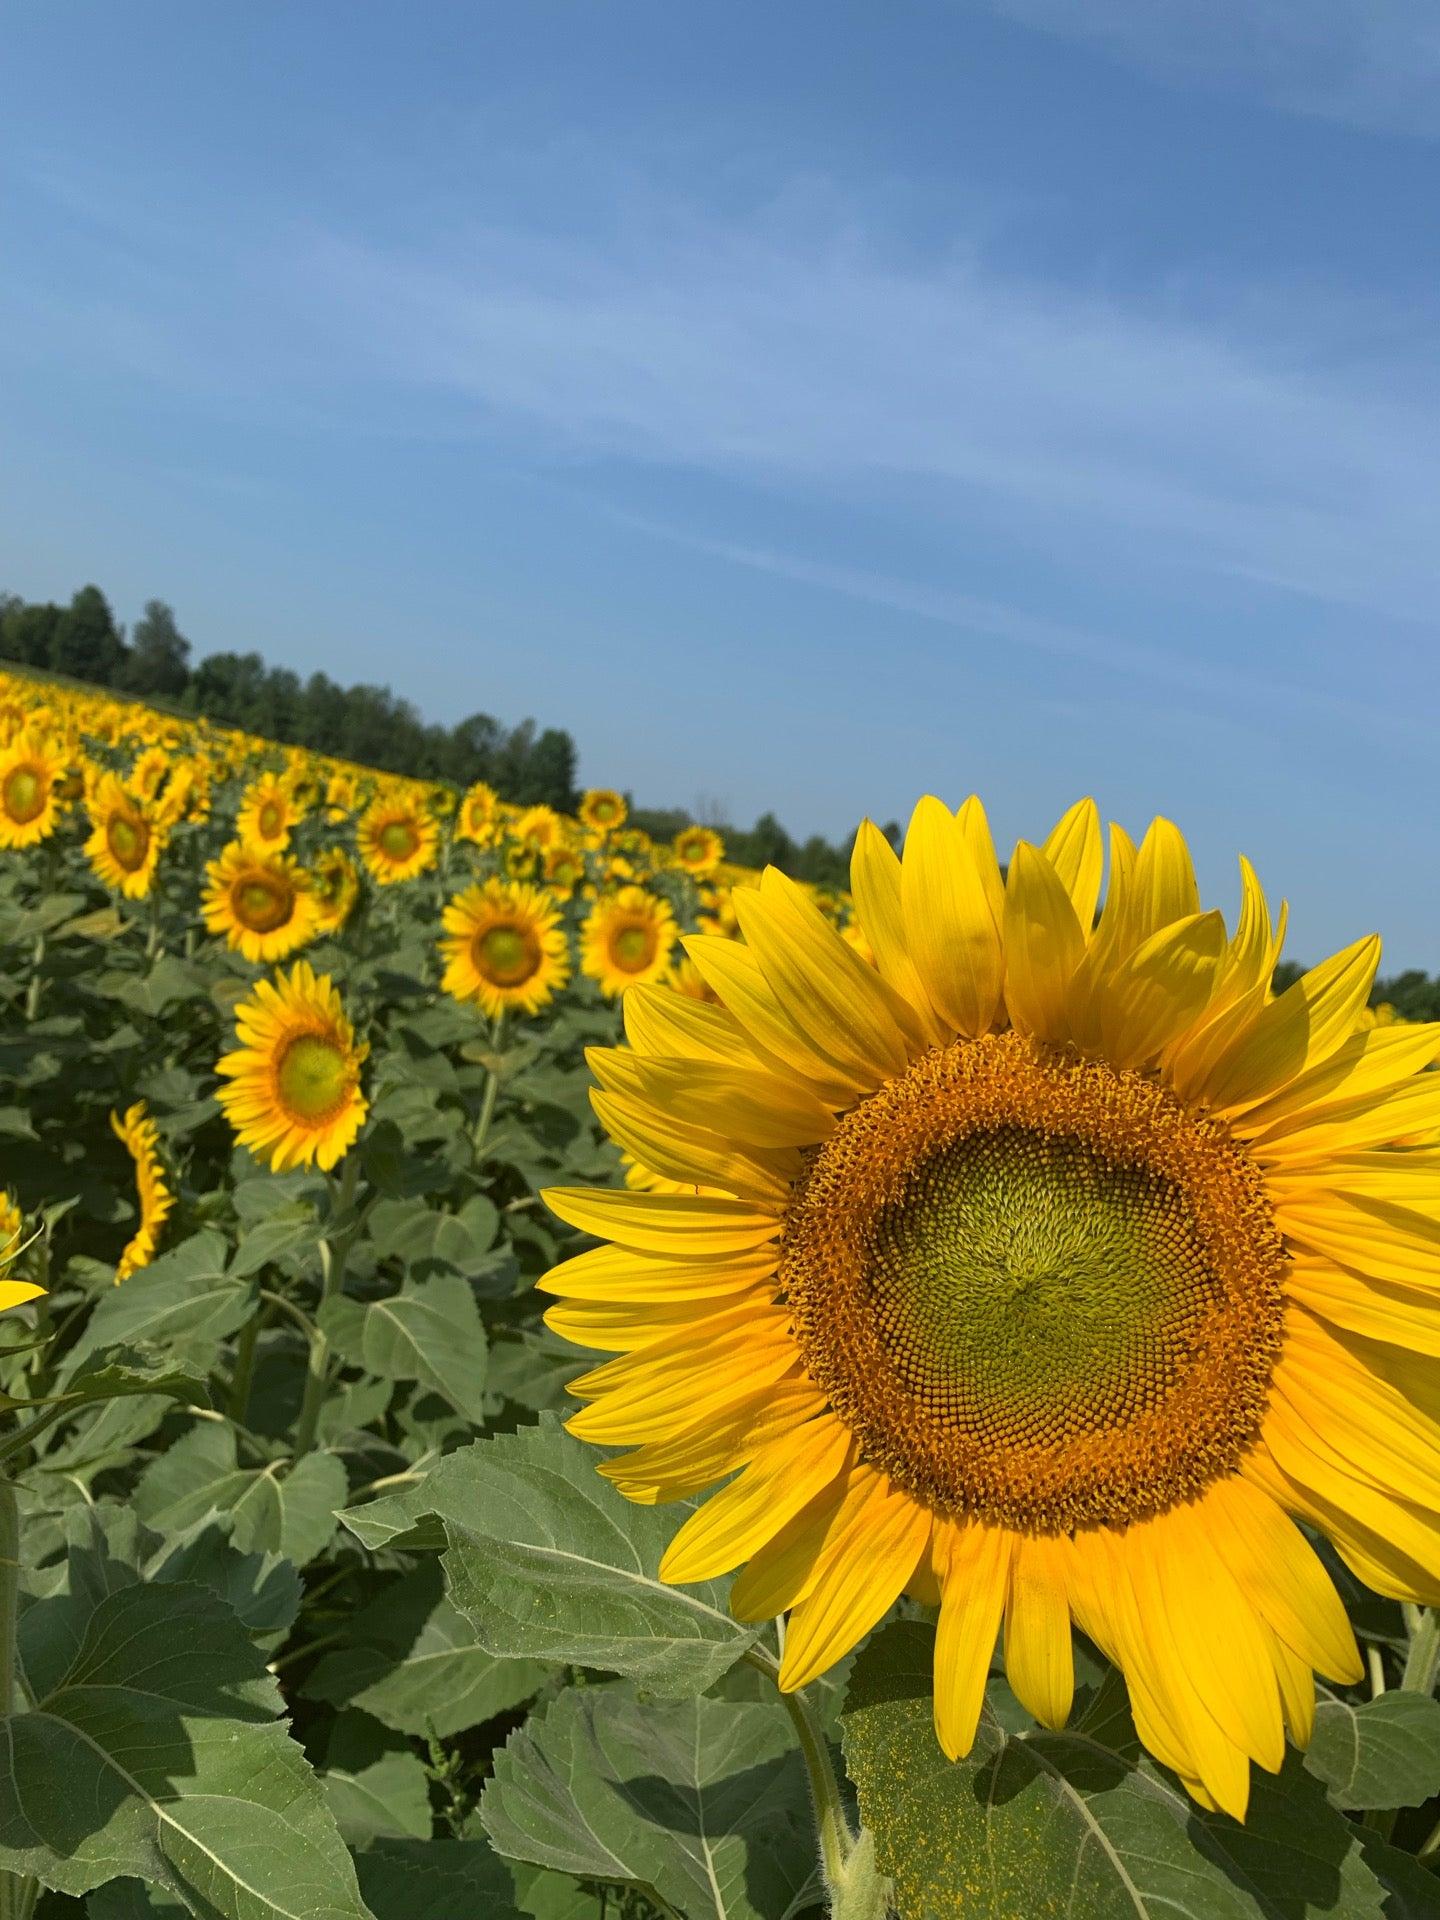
(27, 631)
(159, 663)
(87, 644)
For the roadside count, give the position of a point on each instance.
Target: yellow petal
(1408, 1317)
(1281, 1576)
(745, 1104)
(14, 1293)
(733, 972)
(1374, 1237)
(875, 885)
(1372, 1121)
(971, 818)
(622, 1274)
(709, 1450)
(950, 927)
(1160, 989)
(663, 1222)
(1039, 1658)
(1164, 889)
(693, 1155)
(753, 1507)
(1366, 1065)
(1075, 849)
(974, 1584)
(856, 1585)
(782, 1572)
(659, 1020)
(1044, 945)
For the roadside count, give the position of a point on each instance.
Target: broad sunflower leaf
(414, 1663)
(154, 1749)
(389, 1799)
(431, 1332)
(699, 1803)
(287, 1508)
(1379, 1753)
(294, 1228)
(1056, 1823)
(437, 1880)
(547, 1561)
(119, 1373)
(185, 1302)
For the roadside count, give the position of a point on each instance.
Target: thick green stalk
(492, 1088)
(1422, 1662)
(334, 1252)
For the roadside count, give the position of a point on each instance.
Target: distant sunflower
(294, 1095)
(140, 1137)
(260, 901)
(626, 940)
(564, 869)
(151, 770)
(699, 850)
(476, 816)
(503, 947)
(604, 809)
(1058, 1268)
(334, 886)
(540, 827)
(398, 839)
(268, 814)
(31, 771)
(126, 838)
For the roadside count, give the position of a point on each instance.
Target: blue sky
(808, 406)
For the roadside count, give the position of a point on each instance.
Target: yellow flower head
(540, 826)
(268, 814)
(398, 839)
(31, 771)
(334, 886)
(138, 1134)
(151, 770)
(294, 1095)
(127, 836)
(1056, 1270)
(626, 940)
(477, 813)
(564, 869)
(699, 850)
(603, 809)
(503, 947)
(260, 901)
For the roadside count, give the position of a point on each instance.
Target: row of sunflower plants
(549, 1376)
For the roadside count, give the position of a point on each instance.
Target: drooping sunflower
(477, 813)
(699, 850)
(294, 1096)
(140, 1137)
(260, 901)
(626, 940)
(127, 836)
(604, 809)
(398, 839)
(334, 886)
(1058, 1269)
(268, 814)
(31, 772)
(503, 947)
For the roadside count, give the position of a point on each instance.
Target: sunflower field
(550, 1377)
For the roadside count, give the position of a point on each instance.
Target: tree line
(526, 765)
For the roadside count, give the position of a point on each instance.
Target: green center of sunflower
(271, 819)
(128, 838)
(398, 839)
(261, 904)
(314, 1078)
(506, 956)
(24, 794)
(1038, 1290)
(633, 948)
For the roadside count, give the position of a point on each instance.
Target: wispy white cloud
(1372, 63)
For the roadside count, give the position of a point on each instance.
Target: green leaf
(436, 1880)
(118, 1373)
(701, 1803)
(278, 1508)
(387, 1800)
(289, 1230)
(547, 1561)
(185, 1302)
(431, 1332)
(413, 1662)
(263, 1589)
(411, 1231)
(1380, 1753)
(1056, 1824)
(153, 1750)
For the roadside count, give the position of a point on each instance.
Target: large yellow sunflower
(626, 940)
(31, 771)
(268, 814)
(140, 1137)
(503, 947)
(294, 1096)
(261, 902)
(398, 839)
(127, 836)
(1059, 1269)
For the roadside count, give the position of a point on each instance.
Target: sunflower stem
(492, 1088)
(32, 992)
(334, 1252)
(18, 1892)
(1422, 1662)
